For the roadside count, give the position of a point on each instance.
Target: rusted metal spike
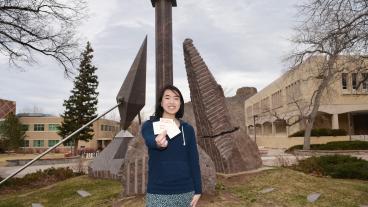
(132, 93)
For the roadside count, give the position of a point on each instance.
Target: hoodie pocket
(174, 171)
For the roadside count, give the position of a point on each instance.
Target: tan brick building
(41, 133)
(6, 107)
(343, 106)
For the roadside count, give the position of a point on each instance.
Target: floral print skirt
(177, 200)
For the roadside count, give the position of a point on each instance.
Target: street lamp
(255, 131)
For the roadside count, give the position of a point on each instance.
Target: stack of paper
(168, 125)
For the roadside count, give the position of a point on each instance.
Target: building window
(54, 127)
(256, 108)
(38, 143)
(26, 143)
(265, 104)
(277, 99)
(344, 80)
(365, 80)
(354, 81)
(107, 128)
(51, 143)
(39, 127)
(25, 127)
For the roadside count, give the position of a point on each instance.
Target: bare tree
(46, 27)
(335, 30)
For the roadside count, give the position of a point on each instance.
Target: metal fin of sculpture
(132, 93)
(216, 135)
(132, 97)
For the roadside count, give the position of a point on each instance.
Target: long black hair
(159, 110)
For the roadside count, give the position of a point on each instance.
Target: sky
(242, 42)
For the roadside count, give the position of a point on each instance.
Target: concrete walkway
(278, 157)
(6, 171)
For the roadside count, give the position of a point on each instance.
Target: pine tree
(81, 106)
(11, 132)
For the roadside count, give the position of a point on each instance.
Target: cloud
(241, 41)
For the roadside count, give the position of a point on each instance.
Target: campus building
(41, 133)
(6, 107)
(276, 109)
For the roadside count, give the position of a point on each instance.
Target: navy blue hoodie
(174, 169)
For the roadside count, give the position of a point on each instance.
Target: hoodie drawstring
(182, 129)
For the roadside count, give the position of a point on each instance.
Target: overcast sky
(241, 41)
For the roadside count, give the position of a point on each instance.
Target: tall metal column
(164, 48)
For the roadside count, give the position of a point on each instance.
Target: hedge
(321, 132)
(336, 166)
(337, 145)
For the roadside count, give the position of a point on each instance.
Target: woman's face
(170, 102)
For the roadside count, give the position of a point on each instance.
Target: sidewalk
(6, 171)
(278, 157)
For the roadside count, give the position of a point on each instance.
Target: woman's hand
(161, 141)
(195, 200)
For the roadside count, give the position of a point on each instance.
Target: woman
(174, 177)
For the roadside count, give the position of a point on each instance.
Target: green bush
(40, 178)
(338, 145)
(321, 132)
(336, 166)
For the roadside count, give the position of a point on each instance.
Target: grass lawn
(64, 194)
(12, 156)
(291, 189)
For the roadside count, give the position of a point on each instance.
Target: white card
(173, 131)
(158, 128)
(168, 125)
(166, 121)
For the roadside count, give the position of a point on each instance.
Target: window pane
(365, 80)
(26, 143)
(344, 79)
(52, 142)
(354, 80)
(39, 127)
(53, 127)
(38, 143)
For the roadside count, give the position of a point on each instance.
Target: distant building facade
(41, 133)
(276, 109)
(6, 107)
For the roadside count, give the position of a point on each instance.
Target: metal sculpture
(216, 135)
(132, 93)
(164, 51)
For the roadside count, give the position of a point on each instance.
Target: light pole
(255, 131)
